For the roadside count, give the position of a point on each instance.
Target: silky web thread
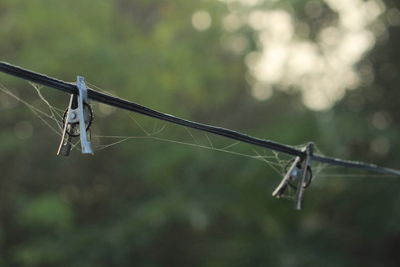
(272, 160)
(53, 120)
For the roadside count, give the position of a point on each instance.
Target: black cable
(131, 106)
(127, 105)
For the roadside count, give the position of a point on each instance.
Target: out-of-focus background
(289, 71)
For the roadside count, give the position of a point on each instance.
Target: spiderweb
(51, 116)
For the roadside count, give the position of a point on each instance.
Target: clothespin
(302, 183)
(301, 171)
(77, 120)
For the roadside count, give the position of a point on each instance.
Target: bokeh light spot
(393, 17)
(201, 20)
(261, 92)
(380, 145)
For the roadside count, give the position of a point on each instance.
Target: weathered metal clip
(77, 120)
(300, 171)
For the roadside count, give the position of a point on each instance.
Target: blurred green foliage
(151, 203)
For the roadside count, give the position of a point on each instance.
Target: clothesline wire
(234, 135)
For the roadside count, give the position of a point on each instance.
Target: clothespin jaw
(300, 171)
(82, 100)
(77, 121)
